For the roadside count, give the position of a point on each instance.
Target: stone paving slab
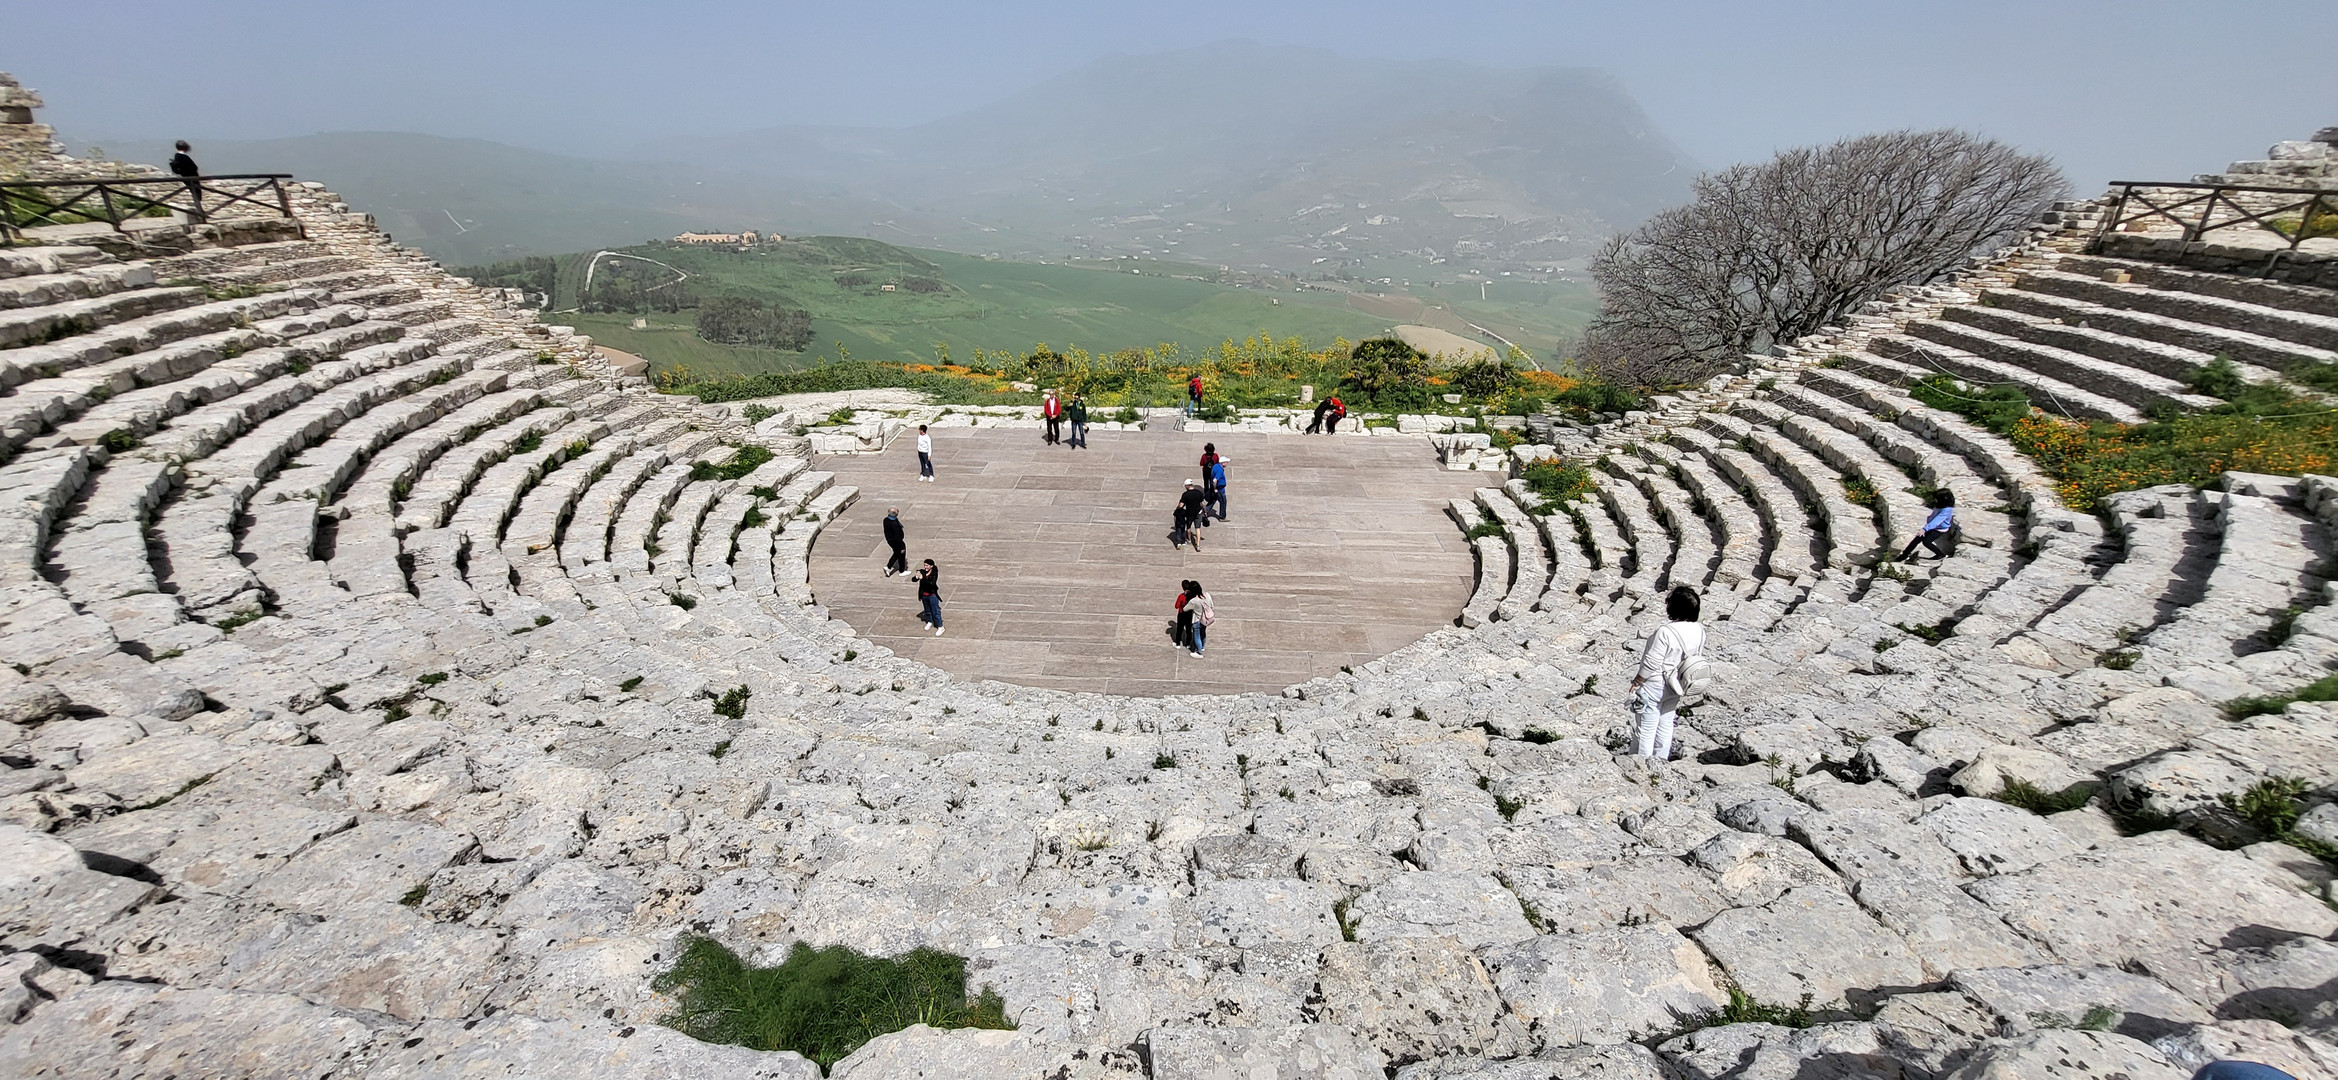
(1057, 569)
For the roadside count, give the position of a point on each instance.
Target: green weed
(821, 1003)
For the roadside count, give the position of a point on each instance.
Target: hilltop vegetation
(961, 304)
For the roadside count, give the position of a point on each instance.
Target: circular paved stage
(1057, 570)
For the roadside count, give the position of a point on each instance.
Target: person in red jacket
(1339, 411)
(1051, 410)
(1192, 394)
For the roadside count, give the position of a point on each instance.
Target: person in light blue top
(1938, 529)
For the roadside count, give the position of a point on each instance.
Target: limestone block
(1560, 840)
(2068, 1055)
(1813, 940)
(2320, 824)
(1605, 986)
(2149, 895)
(376, 956)
(1246, 913)
(1242, 855)
(1299, 1052)
(1472, 907)
(2289, 982)
(2024, 999)
(1623, 1061)
(1947, 929)
(1934, 1032)
(379, 860)
(1862, 843)
(1894, 762)
(1752, 869)
(1995, 766)
(2263, 1041)
(513, 1045)
(123, 1028)
(155, 769)
(1417, 998)
(1770, 1052)
(1653, 889)
(1990, 837)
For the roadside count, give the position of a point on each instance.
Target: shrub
(733, 702)
(757, 412)
(2218, 378)
(821, 1003)
(743, 320)
(1388, 373)
(1997, 408)
(1557, 479)
(2270, 804)
(1485, 378)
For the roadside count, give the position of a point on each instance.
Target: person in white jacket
(1654, 689)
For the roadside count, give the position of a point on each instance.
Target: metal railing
(28, 204)
(2200, 209)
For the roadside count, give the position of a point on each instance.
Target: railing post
(2111, 224)
(106, 195)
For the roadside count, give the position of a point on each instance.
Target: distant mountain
(1236, 153)
(1252, 153)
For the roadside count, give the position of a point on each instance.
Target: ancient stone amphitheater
(353, 729)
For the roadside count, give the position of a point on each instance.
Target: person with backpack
(1202, 612)
(1673, 672)
(898, 540)
(929, 595)
(1939, 530)
(182, 165)
(925, 455)
(1209, 489)
(1051, 410)
(1183, 523)
(1079, 415)
(1192, 394)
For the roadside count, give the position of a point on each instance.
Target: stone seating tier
(404, 647)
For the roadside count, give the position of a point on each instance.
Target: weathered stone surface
(132, 1029)
(1752, 869)
(1605, 986)
(2145, 897)
(376, 861)
(1265, 911)
(2290, 982)
(1947, 930)
(154, 770)
(509, 1045)
(1812, 940)
(2076, 1055)
(1650, 889)
(1934, 1032)
(1625, 1061)
(2055, 996)
(379, 957)
(1303, 1052)
(2262, 1041)
(1474, 909)
(1770, 1052)
(1242, 855)
(1417, 998)
(1995, 766)
(1990, 837)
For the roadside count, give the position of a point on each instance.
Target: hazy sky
(2134, 89)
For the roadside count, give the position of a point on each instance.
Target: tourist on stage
(1192, 395)
(1189, 515)
(1214, 481)
(1315, 426)
(1079, 415)
(925, 455)
(1051, 410)
(898, 540)
(1209, 492)
(1186, 591)
(1202, 613)
(929, 595)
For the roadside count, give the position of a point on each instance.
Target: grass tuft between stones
(2039, 801)
(821, 1003)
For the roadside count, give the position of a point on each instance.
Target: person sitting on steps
(1939, 530)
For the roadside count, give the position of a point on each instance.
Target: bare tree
(1767, 253)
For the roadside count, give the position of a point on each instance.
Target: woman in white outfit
(1655, 688)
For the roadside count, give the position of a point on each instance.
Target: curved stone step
(2104, 378)
(2134, 327)
(2235, 304)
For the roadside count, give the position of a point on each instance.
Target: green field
(998, 305)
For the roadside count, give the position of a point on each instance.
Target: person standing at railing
(182, 165)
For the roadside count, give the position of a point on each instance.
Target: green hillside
(966, 303)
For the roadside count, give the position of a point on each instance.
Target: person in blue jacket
(1939, 529)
